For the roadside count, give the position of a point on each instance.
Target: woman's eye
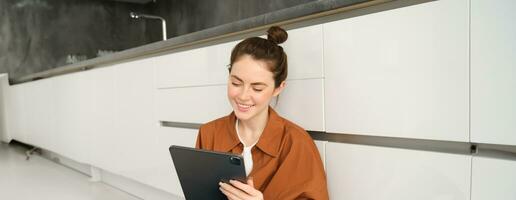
(235, 84)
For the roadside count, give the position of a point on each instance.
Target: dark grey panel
(180, 125)
(464, 148)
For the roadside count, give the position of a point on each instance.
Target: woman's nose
(244, 93)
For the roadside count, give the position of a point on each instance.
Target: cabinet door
(132, 122)
(399, 73)
(192, 104)
(15, 113)
(4, 89)
(40, 121)
(493, 72)
(196, 67)
(161, 172)
(85, 113)
(360, 172)
(304, 51)
(302, 103)
(493, 178)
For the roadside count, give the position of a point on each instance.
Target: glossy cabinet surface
(207, 66)
(360, 172)
(302, 103)
(4, 90)
(304, 48)
(15, 113)
(399, 73)
(85, 113)
(192, 104)
(493, 72)
(493, 178)
(39, 105)
(196, 67)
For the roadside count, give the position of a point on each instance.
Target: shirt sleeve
(198, 143)
(301, 174)
(205, 138)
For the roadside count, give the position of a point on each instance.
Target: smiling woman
(280, 158)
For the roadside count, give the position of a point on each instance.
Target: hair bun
(277, 35)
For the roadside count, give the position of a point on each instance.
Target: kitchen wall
(37, 35)
(186, 16)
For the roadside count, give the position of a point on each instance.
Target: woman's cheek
(232, 92)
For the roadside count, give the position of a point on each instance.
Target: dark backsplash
(37, 35)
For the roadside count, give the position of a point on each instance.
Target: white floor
(42, 179)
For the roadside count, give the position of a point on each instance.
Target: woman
(281, 159)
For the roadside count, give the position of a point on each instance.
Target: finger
(250, 182)
(244, 187)
(235, 191)
(228, 194)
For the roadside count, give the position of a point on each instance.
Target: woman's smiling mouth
(243, 107)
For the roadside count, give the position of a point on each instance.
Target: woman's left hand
(241, 191)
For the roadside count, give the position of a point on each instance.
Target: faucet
(135, 15)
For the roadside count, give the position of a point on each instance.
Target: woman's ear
(279, 89)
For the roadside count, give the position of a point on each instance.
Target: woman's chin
(242, 115)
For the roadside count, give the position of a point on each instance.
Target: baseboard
(127, 185)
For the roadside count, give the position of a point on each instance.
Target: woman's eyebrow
(236, 77)
(257, 83)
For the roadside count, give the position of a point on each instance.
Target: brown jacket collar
(270, 139)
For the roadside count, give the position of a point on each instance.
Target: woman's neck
(250, 130)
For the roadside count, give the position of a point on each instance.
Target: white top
(248, 156)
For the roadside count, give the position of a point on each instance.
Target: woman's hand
(241, 191)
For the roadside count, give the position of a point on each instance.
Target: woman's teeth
(244, 106)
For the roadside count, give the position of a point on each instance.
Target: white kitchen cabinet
(208, 65)
(361, 172)
(15, 113)
(192, 104)
(196, 67)
(4, 92)
(304, 48)
(399, 73)
(85, 113)
(493, 72)
(321, 147)
(493, 178)
(161, 172)
(39, 107)
(124, 149)
(302, 103)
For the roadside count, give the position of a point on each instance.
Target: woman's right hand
(237, 190)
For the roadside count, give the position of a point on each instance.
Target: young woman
(281, 159)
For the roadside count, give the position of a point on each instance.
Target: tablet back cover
(200, 171)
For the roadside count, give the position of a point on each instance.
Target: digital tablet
(200, 171)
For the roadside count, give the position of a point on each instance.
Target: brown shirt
(286, 163)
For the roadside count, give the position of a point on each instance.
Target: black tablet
(200, 171)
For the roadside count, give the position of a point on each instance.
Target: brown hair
(267, 50)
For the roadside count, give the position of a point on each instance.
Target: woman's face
(251, 88)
